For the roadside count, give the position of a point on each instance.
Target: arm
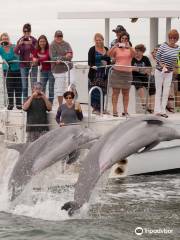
(78, 111)
(58, 115)
(47, 102)
(27, 103)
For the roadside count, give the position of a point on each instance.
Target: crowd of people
(130, 67)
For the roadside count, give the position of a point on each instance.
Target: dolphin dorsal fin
(19, 147)
(154, 121)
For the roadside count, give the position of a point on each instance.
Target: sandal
(170, 109)
(125, 114)
(164, 115)
(115, 114)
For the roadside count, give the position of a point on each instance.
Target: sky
(42, 14)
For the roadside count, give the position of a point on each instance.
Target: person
(11, 73)
(25, 48)
(118, 30)
(60, 50)
(41, 55)
(69, 112)
(97, 56)
(121, 76)
(166, 61)
(36, 107)
(141, 74)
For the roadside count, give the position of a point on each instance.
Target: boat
(162, 158)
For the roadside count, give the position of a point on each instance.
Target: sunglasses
(58, 36)
(174, 38)
(68, 97)
(26, 31)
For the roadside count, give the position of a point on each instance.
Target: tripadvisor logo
(139, 231)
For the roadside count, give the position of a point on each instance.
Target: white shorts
(60, 83)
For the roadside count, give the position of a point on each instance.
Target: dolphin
(138, 134)
(62, 143)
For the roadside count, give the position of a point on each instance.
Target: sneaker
(19, 107)
(9, 107)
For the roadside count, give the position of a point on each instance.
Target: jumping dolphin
(58, 144)
(140, 133)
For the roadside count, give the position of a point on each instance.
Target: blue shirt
(9, 56)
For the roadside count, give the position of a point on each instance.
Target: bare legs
(115, 96)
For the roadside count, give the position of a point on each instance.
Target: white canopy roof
(119, 14)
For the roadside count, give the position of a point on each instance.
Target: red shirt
(42, 57)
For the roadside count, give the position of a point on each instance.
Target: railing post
(4, 82)
(107, 94)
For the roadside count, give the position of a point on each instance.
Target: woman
(12, 73)
(141, 74)
(121, 76)
(41, 54)
(97, 56)
(166, 58)
(69, 112)
(25, 48)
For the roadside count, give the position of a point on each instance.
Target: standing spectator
(60, 50)
(25, 48)
(97, 56)
(119, 29)
(36, 107)
(166, 60)
(141, 74)
(12, 74)
(41, 55)
(69, 112)
(121, 76)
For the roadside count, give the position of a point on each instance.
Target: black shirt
(36, 114)
(144, 62)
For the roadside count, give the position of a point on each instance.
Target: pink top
(122, 56)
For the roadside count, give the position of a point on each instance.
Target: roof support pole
(168, 27)
(107, 21)
(153, 33)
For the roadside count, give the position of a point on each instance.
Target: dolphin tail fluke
(71, 207)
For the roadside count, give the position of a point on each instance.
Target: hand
(35, 94)
(77, 106)
(58, 61)
(127, 45)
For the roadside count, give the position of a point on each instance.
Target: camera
(4, 44)
(26, 39)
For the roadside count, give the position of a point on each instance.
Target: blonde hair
(98, 35)
(4, 35)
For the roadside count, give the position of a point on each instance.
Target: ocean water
(148, 202)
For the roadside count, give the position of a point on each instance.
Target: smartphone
(122, 45)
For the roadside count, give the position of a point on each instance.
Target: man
(36, 107)
(60, 51)
(119, 29)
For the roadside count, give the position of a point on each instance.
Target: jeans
(45, 76)
(25, 71)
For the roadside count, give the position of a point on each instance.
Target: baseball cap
(119, 28)
(58, 33)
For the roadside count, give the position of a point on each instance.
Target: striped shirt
(166, 55)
